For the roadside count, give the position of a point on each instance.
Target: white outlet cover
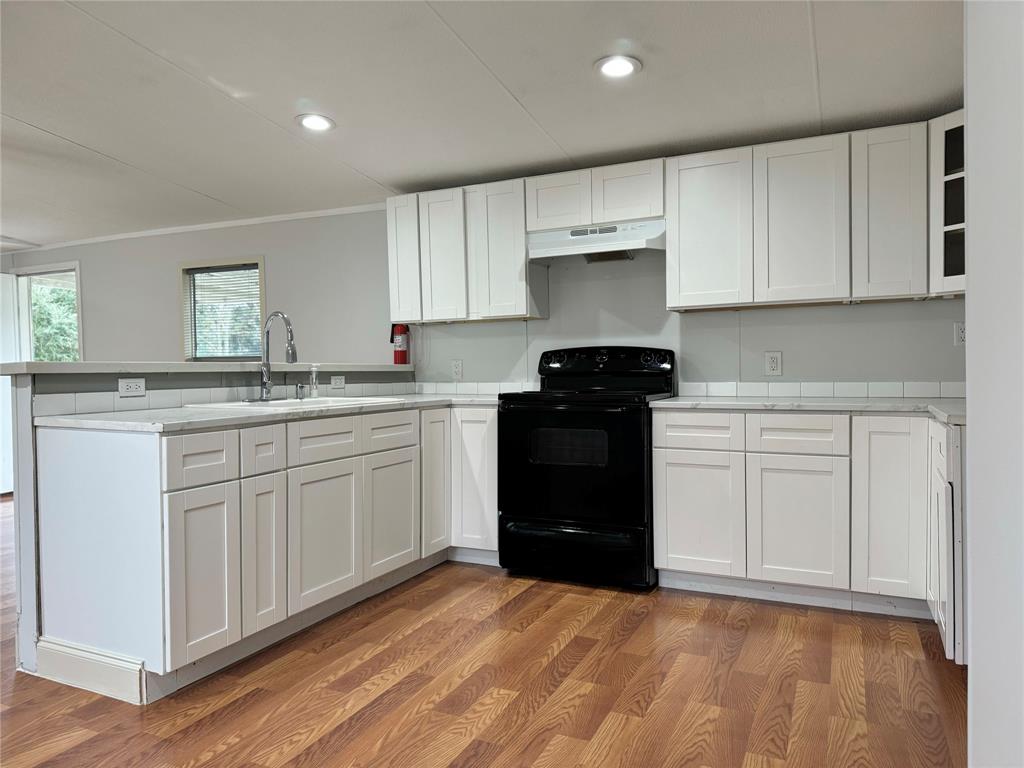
(131, 387)
(337, 382)
(456, 370)
(959, 334)
(772, 363)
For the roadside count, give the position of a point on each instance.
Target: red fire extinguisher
(400, 338)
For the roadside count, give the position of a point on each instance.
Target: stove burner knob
(557, 359)
(662, 358)
(545, 359)
(601, 357)
(647, 358)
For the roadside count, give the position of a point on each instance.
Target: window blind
(222, 312)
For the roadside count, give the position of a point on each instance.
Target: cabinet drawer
(386, 431)
(816, 434)
(698, 430)
(323, 439)
(263, 449)
(201, 459)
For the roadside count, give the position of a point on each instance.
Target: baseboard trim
(91, 669)
(818, 597)
(474, 556)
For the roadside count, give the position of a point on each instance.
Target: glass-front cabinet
(947, 222)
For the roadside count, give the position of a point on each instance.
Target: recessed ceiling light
(618, 66)
(313, 122)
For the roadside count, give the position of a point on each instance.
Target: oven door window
(569, 447)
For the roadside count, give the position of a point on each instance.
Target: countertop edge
(951, 411)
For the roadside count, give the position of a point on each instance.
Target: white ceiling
(125, 116)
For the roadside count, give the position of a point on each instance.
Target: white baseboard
(475, 556)
(94, 670)
(819, 597)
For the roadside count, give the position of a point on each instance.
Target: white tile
(953, 389)
(816, 389)
(510, 386)
(885, 389)
(693, 389)
(488, 388)
(446, 388)
(165, 398)
(244, 393)
(131, 403)
(851, 389)
(721, 389)
(429, 388)
(783, 389)
(752, 389)
(53, 405)
(94, 402)
(920, 389)
(386, 388)
(466, 388)
(353, 390)
(197, 395)
(371, 389)
(230, 394)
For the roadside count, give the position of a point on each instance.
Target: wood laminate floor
(465, 666)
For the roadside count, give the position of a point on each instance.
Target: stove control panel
(606, 360)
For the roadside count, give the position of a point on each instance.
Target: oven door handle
(573, 408)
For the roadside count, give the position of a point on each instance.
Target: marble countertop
(197, 418)
(948, 411)
(227, 366)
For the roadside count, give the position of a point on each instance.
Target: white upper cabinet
(443, 254)
(628, 191)
(403, 221)
(802, 219)
(889, 211)
(709, 254)
(501, 281)
(558, 200)
(946, 220)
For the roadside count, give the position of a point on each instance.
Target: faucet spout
(289, 351)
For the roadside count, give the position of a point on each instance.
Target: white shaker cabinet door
(203, 572)
(628, 191)
(802, 219)
(941, 570)
(889, 211)
(391, 510)
(436, 473)
(709, 256)
(700, 512)
(443, 254)
(325, 531)
(558, 200)
(264, 551)
(475, 478)
(889, 514)
(798, 519)
(496, 249)
(403, 222)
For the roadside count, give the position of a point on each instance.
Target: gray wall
(624, 303)
(328, 273)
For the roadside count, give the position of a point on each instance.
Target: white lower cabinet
(475, 478)
(203, 572)
(436, 479)
(700, 512)
(941, 568)
(325, 531)
(889, 515)
(264, 551)
(391, 510)
(798, 519)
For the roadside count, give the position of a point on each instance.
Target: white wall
(994, 93)
(328, 273)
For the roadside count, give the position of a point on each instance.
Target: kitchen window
(222, 307)
(48, 313)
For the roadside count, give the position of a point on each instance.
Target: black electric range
(574, 466)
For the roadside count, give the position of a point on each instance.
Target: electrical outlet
(959, 334)
(337, 382)
(131, 387)
(772, 363)
(456, 370)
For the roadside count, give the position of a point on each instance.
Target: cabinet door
(202, 558)
(475, 478)
(946, 213)
(700, 512)
(709, 256)
(403, 221)
(436, 448)
(443, 254)
(325, 532)
(798, 519)
(889, 211)
(264, 551)
(496, 248)
(941, 572)
(628, 191)
(391, 510)
(558, 200)
(889, 514)
(802, 219)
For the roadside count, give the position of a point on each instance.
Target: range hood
(600, 238)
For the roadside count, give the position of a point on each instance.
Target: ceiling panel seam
(231, 100)
(498, 80)
(815, 68)
(119, 161)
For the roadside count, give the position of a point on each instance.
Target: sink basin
(294, 403)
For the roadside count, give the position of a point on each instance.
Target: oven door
(575, 463)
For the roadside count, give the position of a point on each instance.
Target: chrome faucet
(289, 352)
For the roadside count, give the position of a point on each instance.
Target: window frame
(185, 292)
(24, 308)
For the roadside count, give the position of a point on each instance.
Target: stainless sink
(296, 404)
